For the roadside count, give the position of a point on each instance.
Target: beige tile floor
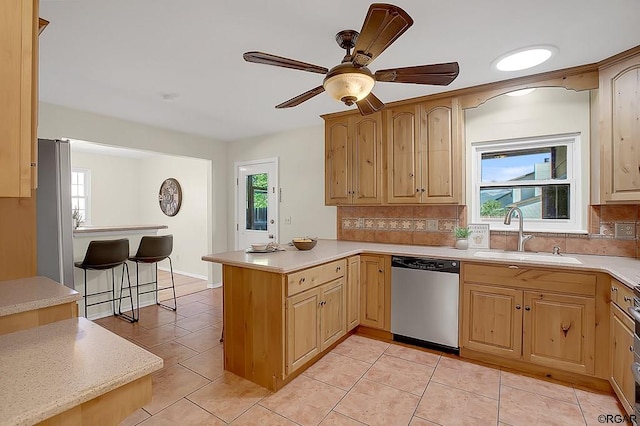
(360, 382)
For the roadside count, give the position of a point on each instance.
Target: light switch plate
(625, 230)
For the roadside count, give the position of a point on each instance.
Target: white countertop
(27, 294)
(626, 270)
(47, 370)
(122, 229)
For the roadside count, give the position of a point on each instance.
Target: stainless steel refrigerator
(54, 213)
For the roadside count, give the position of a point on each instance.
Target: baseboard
(188, 274)
(214, 285)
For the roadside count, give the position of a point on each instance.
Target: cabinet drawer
(300, 281)
(568, 282)
(621, 295)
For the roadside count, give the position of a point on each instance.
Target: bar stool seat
(102, 256)
(154, 249)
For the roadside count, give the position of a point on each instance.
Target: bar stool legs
(134, 309)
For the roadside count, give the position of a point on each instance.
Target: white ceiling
(119, 57)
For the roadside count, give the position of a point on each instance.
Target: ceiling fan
(351, 81)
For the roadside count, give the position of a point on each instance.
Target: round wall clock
(170, 197)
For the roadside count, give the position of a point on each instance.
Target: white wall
(301, 162)
(544, 112)
(189, 227)
(114, 196)
(60, 122)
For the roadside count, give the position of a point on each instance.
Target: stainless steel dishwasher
(424, 302)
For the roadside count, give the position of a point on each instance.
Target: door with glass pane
(257, 202)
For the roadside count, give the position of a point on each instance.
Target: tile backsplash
(613, 230)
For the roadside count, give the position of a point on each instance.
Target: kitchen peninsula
(284, 310)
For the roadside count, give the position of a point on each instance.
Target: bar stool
(103, 255)
(153, 249)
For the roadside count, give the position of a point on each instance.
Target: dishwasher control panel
(426, 264)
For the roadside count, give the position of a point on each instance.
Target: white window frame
(573, 144)
(87, 197)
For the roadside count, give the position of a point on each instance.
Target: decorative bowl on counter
(259, 246)
(304, 243)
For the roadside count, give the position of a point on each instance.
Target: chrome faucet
(521, 237)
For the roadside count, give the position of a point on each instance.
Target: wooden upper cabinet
(403, 155)
(353, 163)
(620, 130)
(424, 153)
(18, 91)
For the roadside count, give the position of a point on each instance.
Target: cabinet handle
(630, 348)
(381, 270)
(417, 189)
(527, 308)
(302, 280)
(422, 190)
(337, 269)
(627, 299)
(518, 306)
(614, 288)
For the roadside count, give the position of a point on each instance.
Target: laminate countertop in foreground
(47, 370)
(28, 294)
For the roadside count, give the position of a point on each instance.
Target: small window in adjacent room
(80, 185)
(540, 176)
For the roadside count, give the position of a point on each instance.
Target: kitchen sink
(528, 257)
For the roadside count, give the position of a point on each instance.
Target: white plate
(267, 250)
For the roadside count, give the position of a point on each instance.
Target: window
(257, 201)
(537, 175)
(80, 185)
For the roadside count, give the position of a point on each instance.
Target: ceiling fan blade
(437, 74)
(382, 26)
(370, 104)
(279, 61)
(301, 98)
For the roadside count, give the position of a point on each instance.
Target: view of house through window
(80, 194)
(536, 176)
(257, 202)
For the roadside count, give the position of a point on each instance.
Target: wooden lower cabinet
(315, 320)
(353, 292)
(559, 331)
(303, 328)
(492, 320)
(550, 329)
(375, 291)
(621, 378)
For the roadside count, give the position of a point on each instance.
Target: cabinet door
(353, 292)
(620, 130)
(18, 50)
(436, 152)
(403, 159)
(375, 288)
(559, 331)
(622, 357)
(366, 158)
(303, 328)
(332, 309)
(492, 320)
(337, 173)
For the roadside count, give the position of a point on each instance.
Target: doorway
(256, 202)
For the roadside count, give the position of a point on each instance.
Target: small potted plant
(77, 218)
(462, 237)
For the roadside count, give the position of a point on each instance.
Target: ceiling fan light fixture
(348, 84)
(523, 59)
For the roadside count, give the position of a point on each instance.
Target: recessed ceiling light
(169, 96)
(520, 92)
(525, 58)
